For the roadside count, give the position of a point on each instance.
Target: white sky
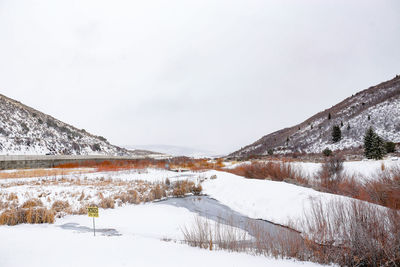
(209, 74)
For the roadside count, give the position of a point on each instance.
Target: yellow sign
(93, 211)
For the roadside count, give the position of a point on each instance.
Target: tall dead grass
(181, 188)
(29, 215)
(212, 235)
(107, 194)
(31, 173)
(282, 243)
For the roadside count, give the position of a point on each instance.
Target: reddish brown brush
(276, 171)
(116, 165)
(383, 190)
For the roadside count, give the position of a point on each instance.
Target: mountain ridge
(377, 106)
(28, 131)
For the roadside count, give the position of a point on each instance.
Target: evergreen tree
(374, 146)
(336, 134)
(341, 124)
(329, 116)
(390, 147)
(327, 152)
(368, 143)
(379, 148)
(348, 127)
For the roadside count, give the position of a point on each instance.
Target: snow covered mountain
(26, 131)
(377, 107)
(175, 151)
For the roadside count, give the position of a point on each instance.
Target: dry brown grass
(12, 197)
(31, 203)
(30, 215)
(131, 197)
(181, 188)
(105, 193)
(158, 192)
(107, 203)
(31, 173)
(196, 190)
(60, 206)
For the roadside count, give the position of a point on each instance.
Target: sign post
(94, 213)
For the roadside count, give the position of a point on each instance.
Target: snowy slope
(377, 107)
(26, 131)
(277, 202)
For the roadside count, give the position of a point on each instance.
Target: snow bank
(278, 202)
(141, 226)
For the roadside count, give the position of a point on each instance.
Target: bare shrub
(29, 215)
(196, 190)
(81, 211)
(33, 202)
(208, 235)
(107, 203)
(134, 196)
(178, 192)
(158, 192)
(181, 188)
(276, 171)
(282, 243)
(330, 174)
(354, 233)
(12, 196)
(384, 189)
(3, 205)
(82, 196)
(130, 197)
(60, 206)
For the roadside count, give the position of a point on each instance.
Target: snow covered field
(147, 234)
(366, 169)
(278, 202)
(143, 229)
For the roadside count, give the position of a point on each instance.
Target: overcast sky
(210, 74)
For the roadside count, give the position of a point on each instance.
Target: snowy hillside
(175, 151)
(26, 131)
(377, 107)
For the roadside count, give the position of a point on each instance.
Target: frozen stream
(211, 209)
